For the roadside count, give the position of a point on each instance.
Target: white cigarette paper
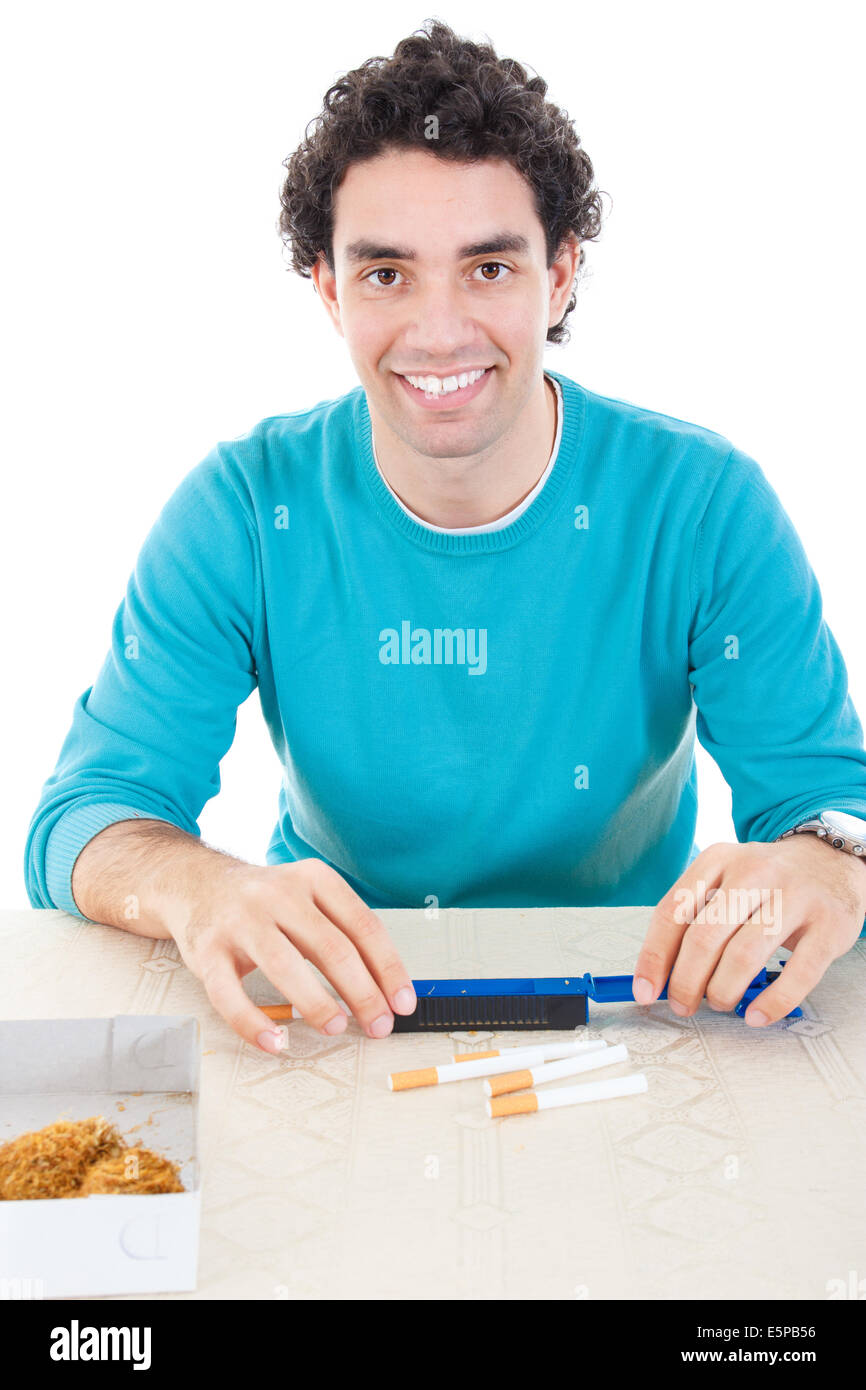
(593, 1090)
(545, 1052)
(485, 1066)
(568, 1066)
(528, 1101)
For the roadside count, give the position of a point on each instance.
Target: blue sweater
(499, 719)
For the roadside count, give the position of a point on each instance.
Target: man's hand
(153, 879)
(279, 918)
(732, 909)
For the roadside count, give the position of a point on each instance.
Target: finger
(225, 991)
(800, 974)
(335, 897)
(670, 921)
(335, 954)
(283, 964)
(718, 934)
(743, 958)
(767, 928)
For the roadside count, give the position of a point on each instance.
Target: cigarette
(569, 1066)
(567, 1095)
(464, 1071)
(278, 1011)
(546, 1052)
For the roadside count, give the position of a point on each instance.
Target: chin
(433, 445)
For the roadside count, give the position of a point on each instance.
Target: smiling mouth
(454, 388)
(444, 385)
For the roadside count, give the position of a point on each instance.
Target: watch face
(853, 827)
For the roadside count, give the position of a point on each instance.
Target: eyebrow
(362, 250)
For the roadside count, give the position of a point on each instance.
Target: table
(738, 1174)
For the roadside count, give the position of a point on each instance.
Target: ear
(325, 283)
(563, 274)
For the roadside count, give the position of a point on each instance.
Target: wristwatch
(838, 828)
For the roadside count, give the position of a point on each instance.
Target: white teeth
(438, 386)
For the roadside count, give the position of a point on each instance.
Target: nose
(439, 325)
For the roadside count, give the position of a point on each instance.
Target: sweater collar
(573, 421)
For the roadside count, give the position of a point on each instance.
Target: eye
(381, 270)
(491, 265)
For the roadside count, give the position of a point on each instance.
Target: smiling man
(449, 345)
(486, 608)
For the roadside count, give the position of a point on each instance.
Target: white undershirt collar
(515, 512)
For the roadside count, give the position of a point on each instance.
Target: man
(477, 599)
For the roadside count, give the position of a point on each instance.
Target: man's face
(439, 271)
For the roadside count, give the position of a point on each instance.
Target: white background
(149, 312)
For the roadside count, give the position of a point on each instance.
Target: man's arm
(147, 738)
(115, 835)
(774, 712)
(142, 875)
(769, 680)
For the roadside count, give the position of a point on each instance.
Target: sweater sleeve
(768, 678)
(147, 737)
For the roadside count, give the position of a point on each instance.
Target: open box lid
(128, 1052)
(74, 1067)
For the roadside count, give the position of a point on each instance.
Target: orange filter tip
(512, 1105)
(510, 1081)
(408, 1080)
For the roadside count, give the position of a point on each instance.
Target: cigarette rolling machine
(552, 1003)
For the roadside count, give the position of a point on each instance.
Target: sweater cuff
(852, 805)
(71, 833)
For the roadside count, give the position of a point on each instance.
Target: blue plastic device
(550, 1003)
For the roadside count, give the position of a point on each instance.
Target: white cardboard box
(71, 1068)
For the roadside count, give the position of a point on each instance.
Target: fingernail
(336, 1024)
(755, 1018)
(381, 1026)
(271, 1039)
(404, 1000)
(679, 1009)
(644, 990)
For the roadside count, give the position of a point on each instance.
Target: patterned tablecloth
(740, 1173)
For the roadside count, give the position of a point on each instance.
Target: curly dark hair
(486, 107)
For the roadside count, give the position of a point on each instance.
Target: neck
(481, 488)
